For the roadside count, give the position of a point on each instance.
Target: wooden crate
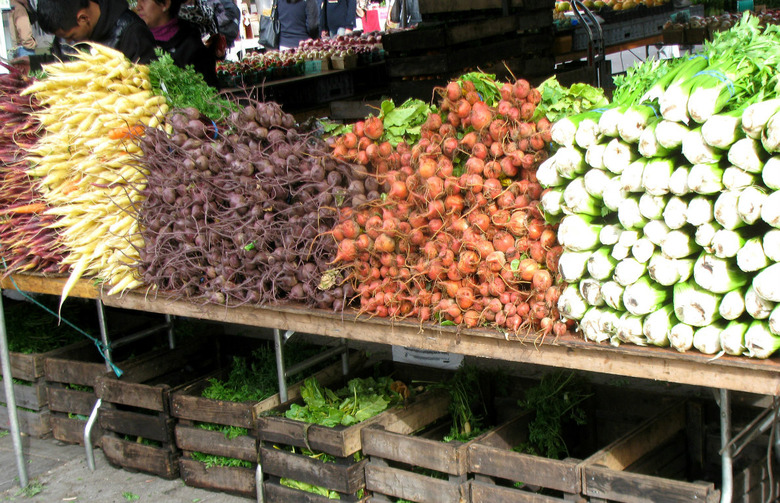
(189, 407)
(32, 412)
(30, 394)
(393, 458)
(345, 476)
(648, 464)
(491, 457)
(135, 408)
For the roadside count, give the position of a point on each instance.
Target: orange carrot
(27, 208)
(125, 132)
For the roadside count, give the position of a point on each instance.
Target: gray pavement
(59, 473)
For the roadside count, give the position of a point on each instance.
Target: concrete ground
(59, 473)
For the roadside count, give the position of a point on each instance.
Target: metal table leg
(10, 399)
(725, 438)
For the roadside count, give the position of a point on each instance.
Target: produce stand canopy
(569, 351)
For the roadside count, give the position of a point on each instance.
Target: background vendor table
(570, 351)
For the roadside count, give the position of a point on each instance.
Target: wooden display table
(571, 351)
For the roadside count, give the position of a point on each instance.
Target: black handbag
(269, 29)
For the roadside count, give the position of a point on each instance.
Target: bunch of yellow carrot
(94, 109)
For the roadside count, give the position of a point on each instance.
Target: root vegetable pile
(458, 236)
(25, 239)
(93, 109)
(238, 216)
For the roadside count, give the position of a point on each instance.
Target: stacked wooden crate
(191, 409)
(517, 40)
(135, 416)
(71, 375)
(346, 475)
(30, 392)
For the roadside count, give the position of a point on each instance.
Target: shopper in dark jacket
(338, 17)
(178, 37)
(299, 20)
(107, 22)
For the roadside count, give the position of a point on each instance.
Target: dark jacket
(119, 28)
(298, 21)
(186, 48)
(122, 29)
(337, 14)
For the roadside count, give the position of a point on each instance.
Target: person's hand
(22, 64)
(324, 34)
(348, 31)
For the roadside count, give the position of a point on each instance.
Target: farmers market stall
(532, 225)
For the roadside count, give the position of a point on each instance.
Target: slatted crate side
(344, 475)
(395, 460)
(607, 475)
(30, 366)
(233, 479)
(32, 423)
(160, 461)
(71, 430)
(70, 401)
(157, 427)
(28, 394)
(194, 439)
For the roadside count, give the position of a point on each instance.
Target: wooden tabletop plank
(50, 285)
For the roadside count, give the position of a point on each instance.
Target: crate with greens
(216, 416)
(431, 465)
(311, 447)
(135, 413)
(71, 375)
(33, 335)
(538, 455)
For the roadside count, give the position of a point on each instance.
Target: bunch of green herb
(230, 432)
(556, 403)
(361, 399)
(255, 378)
(184, 88)
(559, 101)
(211, 460)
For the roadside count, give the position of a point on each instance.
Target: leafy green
(310, 488)
(361, 399)
(230, 432)
(184, 87)
(486, 86)
(211, 461)
(404, 122)
(255, 378)
(558, 101)
(129, 496)
(639, 78)
(556, 403)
